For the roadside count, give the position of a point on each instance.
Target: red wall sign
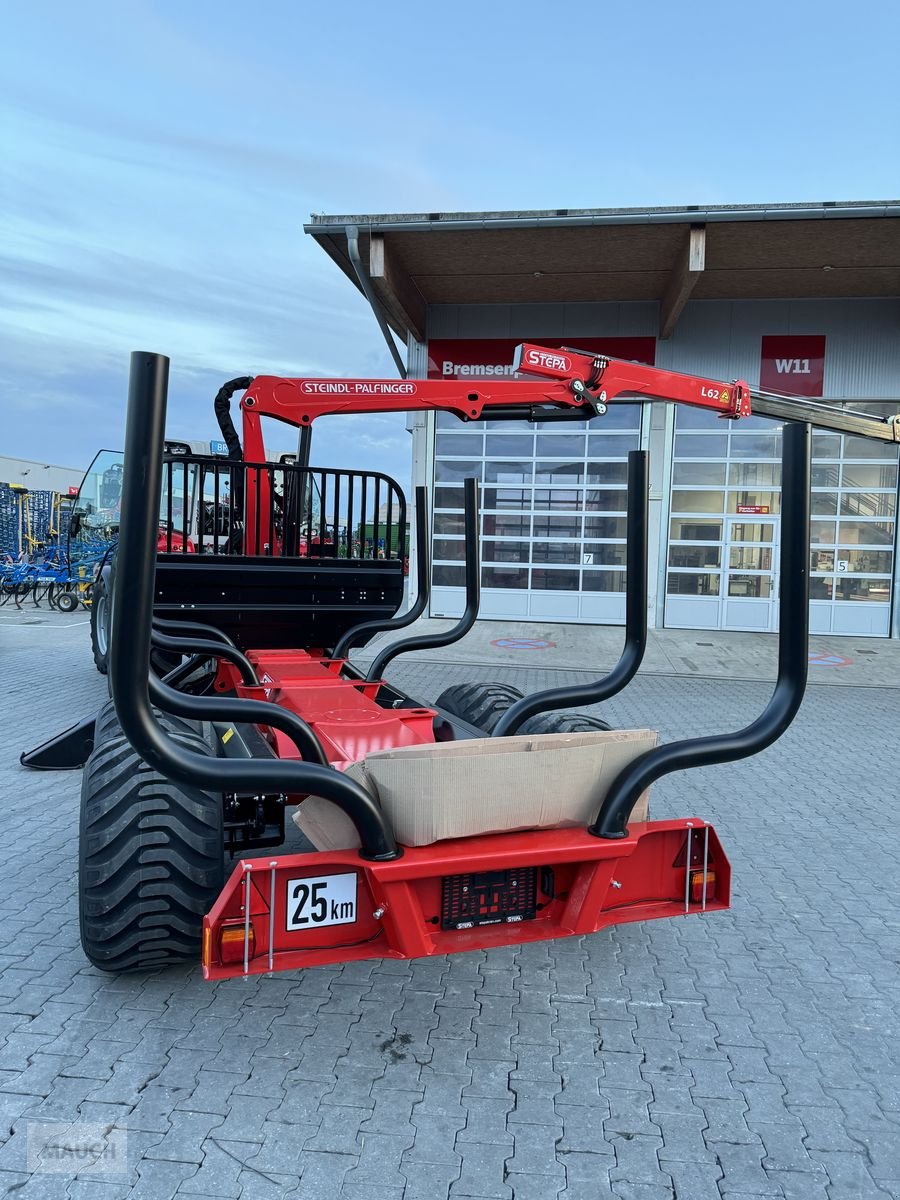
(793, 364)
(472, 358)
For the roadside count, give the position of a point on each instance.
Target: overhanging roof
(729, 252)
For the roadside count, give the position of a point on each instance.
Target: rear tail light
(697, 892)
(231, 943)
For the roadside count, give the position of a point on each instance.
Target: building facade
(553, 495)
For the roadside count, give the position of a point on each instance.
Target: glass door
(750, 569)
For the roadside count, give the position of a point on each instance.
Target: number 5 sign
(793, 364)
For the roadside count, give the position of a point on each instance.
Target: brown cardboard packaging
(485, 785)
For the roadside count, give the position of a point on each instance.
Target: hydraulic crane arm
(576, 383)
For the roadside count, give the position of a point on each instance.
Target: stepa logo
(548, 360)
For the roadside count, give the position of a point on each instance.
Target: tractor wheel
(107, 727)
(101, 614)
(151, 861)
(66, 602)
(479, 704)
(562, 722)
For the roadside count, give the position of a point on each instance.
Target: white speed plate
(321, 900)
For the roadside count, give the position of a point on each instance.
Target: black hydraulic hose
(130, 648)
(177, 645)
(222, 409)
(242, 711)
(793, 665)
(189, 628)
(473, 596)
(423, 585)
(635, 618)
(180, 673)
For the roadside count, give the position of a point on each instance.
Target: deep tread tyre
(107, 727)
(66, 602)
(151, 861)
(562, 722)
(479, 704)
(101, 612)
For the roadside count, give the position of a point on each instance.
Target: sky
(159, 160)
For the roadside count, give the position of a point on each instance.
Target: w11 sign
(793, 364)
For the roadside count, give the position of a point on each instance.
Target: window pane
(752, 531)
(560, 445)
(504, 577)
(825, 476)
(457, 443)
(882, 476)
(826, 445)
(612, 445)
(822, 532)
(604, 581)
(698, 473)
(872, 562)
(559, 472)
(697, 501)
(506, 525)
(607, 472)
(867, 533)
(604, 500)
(604, 554)
(755, 445)
(855, 587)
(605, 527)
(701, 445)
(693, 556)
(518, 498)
(868, 504)
(755, 586)
(449, 523)
(754, 474)
(557, 526)
(448, 497)
(821, 589)
(448, 576)
(509, 552)
(571, 499)
(508, 472)
(447, 420)
(680, 583)
(458, 470)
(821, 560)
(449, 548)
(856, 447)
(509, 445)
(754, 500)
(750, 558)
(696, 418)
(550, 580)
(565, 553)
(692, 530)
(619, 416)
(824, 503)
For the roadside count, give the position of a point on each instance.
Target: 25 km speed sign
(321, 900)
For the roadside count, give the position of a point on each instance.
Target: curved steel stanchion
(130, 648)
(793, 632)
(423, 586)
(635, 618)
(473, 596)
(177, 645)
(192, 629)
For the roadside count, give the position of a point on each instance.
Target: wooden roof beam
(687, 270)
(401, 300)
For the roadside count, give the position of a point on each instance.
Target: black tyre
(151, 861)
(101, 613)
(479, 704)
(562, 722)
(66, 602)
(107, 727)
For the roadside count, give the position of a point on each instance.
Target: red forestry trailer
(174, 780)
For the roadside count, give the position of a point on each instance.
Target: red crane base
(305, 910)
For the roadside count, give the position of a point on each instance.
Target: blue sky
(160, 158)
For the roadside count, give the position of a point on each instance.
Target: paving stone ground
(753, 1053)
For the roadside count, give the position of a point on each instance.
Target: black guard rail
(130, 647)
(793, 658)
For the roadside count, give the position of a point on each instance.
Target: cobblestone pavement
(750, 1053)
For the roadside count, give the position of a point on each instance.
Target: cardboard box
(485, 785)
